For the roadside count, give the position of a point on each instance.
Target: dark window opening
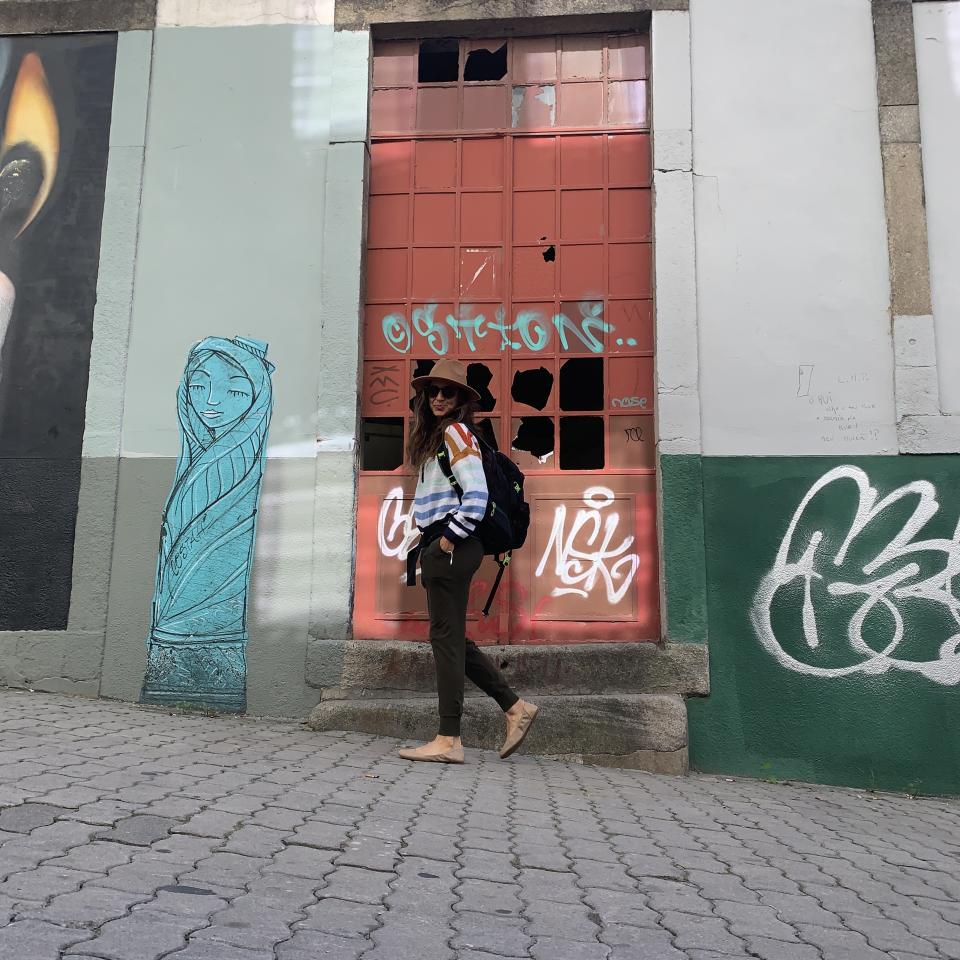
(421, 368)
(581, 443)
(439, 61)
(485, 431)
(486, 64)
(581, 384)
(382, 446)
(535, 436)
(550, 254)
(532, 387)
(479, 377)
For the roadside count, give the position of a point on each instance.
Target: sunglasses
(444, 390)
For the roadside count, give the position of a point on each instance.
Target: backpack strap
(443, 459)
(502, 563)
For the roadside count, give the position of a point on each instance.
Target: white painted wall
(937, 29)
(792, 267)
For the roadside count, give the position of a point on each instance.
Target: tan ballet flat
(516, 734)
(429, 754)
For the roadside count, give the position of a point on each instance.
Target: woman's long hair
(427, 430)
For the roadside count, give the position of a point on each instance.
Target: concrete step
(639, 731)
(378, 669)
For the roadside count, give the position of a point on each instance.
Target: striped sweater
(435, 498)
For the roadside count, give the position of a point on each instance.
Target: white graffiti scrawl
(908, 571)
(397, 532)
(583, 555)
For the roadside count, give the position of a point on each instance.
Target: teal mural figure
(198, 634)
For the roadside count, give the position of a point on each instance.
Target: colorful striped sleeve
(467, 466)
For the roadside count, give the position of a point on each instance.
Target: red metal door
(510, 226)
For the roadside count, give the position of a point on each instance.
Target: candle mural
(56, 98)
(198, 635)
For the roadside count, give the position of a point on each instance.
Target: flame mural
(56, 102)
(28, 161)
(32, 130)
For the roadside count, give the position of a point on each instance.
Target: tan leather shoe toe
(429, 753)
(517, 731)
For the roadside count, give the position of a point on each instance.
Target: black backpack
(504, 526)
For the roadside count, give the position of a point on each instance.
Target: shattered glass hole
(489, 65)
(382, 443)
(550, 254)
(479, 377)
(581, 443)
(581, 384)
(532, 387)
(535, 436)
(438, 61)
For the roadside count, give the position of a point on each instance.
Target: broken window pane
(581, 384)
(487, 432)
(486, 64)
(581, 443)
(532, 387)
(382, 446)
(535, 436)
(479, 377)
(439, 61)
(421, 368)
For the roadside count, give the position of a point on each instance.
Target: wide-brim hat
(447, 370)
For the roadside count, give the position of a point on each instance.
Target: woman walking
(451, 553)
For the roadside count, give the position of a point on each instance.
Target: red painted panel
(484, 108)
(437, 108)
(581, 215)
(581, 161)
(391, 111)
(435, 218)
(630, 215)
(534, 163)
(632, 322)
(534, 60)
(631, 383)
(433, 273)
(390, 166)
(389, 220)
(533, 277)
(630, 270)
(581, 272)
(582, 58)
(435, 164)
(481, 221)
(629, 162)
(628, 58)
(632, 442)
(482, 164)
(481, 273)
(580, 104)
(395, 64)
(534, 217)
(627, 102)
(386, 274)
(386, 388)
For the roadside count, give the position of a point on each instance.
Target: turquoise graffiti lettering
(530, 329)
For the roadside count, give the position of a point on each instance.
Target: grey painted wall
(238, 175)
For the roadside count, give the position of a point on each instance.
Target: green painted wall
(809, 705)
(684, 592)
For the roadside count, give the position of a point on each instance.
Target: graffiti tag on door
(530, 329)
(589, 552)
(894, 584)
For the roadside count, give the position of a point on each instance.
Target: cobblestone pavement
(134, 834)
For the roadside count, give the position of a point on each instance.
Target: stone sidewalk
(133, 834)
